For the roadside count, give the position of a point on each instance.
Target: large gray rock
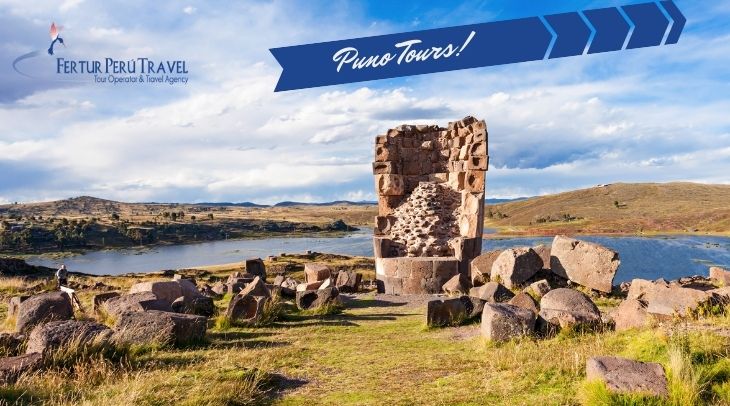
(492, 292)
(502, 321)
(720, 276)
(134, 302)
(257, 287)
(11, 368)
(446, 312)
(256, 267)
(100, 298)
(246, 309)
(55, 335)
(480, 267)
(544, 252)
(200, 305)
(315, 272)
(14, 305)
(455, 286)
(525, 301)
(587, 264)
(628, 376)
(567, 308)
(312, 299)
(159, 328)
(631, 313)
(43, 308)
(164, 290)
(669, 301)
(515, 266)
(539, 288)
(640, 286)
(348, 281)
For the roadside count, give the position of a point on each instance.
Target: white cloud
(189, 10)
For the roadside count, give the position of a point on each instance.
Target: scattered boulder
(43, 308)
(631, 313)
(134, 302)
(720, 276)
(502, 321)
(454, 286)
(316, 272)
(539, 288)
(11, 368)
(566, 308)
(326, 284)
(348, 281)
(302, 287)
(256, 267)
(525, 301)
(640, 286)
(515, 266)
(14, 305)
(312, 299)
(492, 292)
(667, 301)
(246, 309)
(101, 298)
(544, 252)
(58, 334)
(164, 290)
(219, 288)
(587, 264)
(207, 290)
(446, 312)
(257, 287)
(628, 376)
(161, 328)
(481, 267)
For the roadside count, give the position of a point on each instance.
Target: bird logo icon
(55, 37)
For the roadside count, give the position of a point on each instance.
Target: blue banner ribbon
(478, 45)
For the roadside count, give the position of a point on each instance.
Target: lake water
(641, 257)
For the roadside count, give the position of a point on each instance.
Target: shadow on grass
(276, 386)
(360, 303)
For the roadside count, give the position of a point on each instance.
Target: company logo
(99, 71)
(55, 38)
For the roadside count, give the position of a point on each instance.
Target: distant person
(62, 276)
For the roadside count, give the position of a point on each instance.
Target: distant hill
(497, 201)
(619, 208)
(334, 203)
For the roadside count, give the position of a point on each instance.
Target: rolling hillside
(619, 208)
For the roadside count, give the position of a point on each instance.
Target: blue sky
(648, 115)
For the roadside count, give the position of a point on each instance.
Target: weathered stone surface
(348, 281)
(481, 267)
(640, 286)
(207, 290)
(188, 289)
(587, 264)
(14, 305)
(164, 290)
(502, 321)
(564, 308)
(315, 272)
(720, 276)
(312, 299)
(326, 284)
(667, 301)
(492, 292)
(309, 286)
(134, 302)
(57, 334)
(256, 267)
(156, 327)
(200, 305)
(525, 301)
(101, 298)
(628, 376)
(11, 343)
(219, 288)
(454, 286)
(539, 288)
(247, 309)
(11, 368)
(631, 313)
(256, 288)
(544, 252)
(515, 266)
(446, 312)
(42, 308)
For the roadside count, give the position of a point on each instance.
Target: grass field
(619, 209)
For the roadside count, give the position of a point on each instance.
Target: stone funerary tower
(430, 184)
